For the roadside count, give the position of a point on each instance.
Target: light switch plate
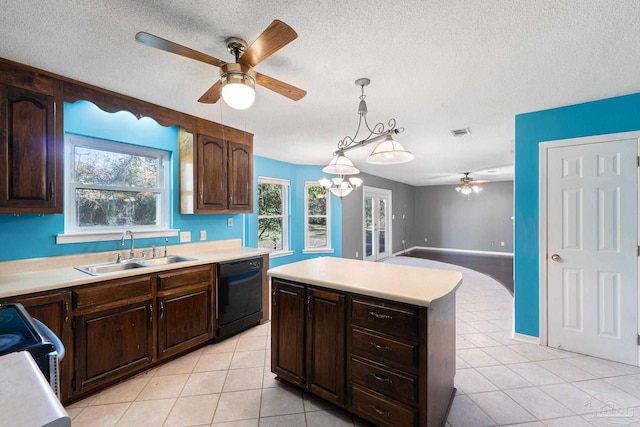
(185, 236)
(203, 234)
(229, 222)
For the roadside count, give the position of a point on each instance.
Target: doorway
(376, 211)
(589, 246)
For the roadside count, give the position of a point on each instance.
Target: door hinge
(638, 340)
(638, 250)
(638, 161)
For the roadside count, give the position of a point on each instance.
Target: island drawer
(113, 291)
(394, 320)
(398, 385)
(380, 410)
(184, 276)
(388, 351)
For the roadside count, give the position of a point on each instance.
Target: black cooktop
(18, 333)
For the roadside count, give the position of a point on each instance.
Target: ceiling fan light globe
(389, 152)
(341, 191)
(466, 190)
(238, 96)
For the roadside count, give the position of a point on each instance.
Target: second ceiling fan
(237, 79)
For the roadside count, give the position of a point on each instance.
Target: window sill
(318, 251)
(104, 236)
(280, 254)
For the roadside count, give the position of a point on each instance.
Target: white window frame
(324, 249)
(75, 234)
(285, 214)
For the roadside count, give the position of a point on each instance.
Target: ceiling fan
(237, 79)
(468, 185)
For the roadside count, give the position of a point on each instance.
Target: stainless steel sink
(152, 262)
(110, 267)
(114, 267)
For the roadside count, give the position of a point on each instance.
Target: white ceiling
(434, 65)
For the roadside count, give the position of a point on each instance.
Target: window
(317, 218)
(273, 214)
(111, 186)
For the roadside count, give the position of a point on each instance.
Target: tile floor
(500, 381)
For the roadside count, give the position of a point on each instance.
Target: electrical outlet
(501, 243)
(185, 236)
(425, 239)
(203, 234)
(229, 222)
(393, 216)
(356, 254)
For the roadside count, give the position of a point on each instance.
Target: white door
(592, 241)
(377, 225)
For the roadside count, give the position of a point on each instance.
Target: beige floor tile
(281, 401)
(248, 359)
(312, 403)
(126, 391)
(571, 397)
(204, 383)
(146, 414)
(100, 416)
(476, 357)
(538, 403)
(505, 355)
(568, 422)
(533, 352)
(226, 346)
(465, 413)
(73, 412)
(471, 381)
(295, 420)
(182, 365)
(535, 374)
(252, 343)
(163, 387)
(603, 391)
(244, 379)
(330, 418)
(482, 340)
(238, 405)
(241, 423)
(565, 370)
(503, 377)
(192, 410)
(213, 362)
(270, 380)
(257, 331)
(596, 367)
(501, 408)
(81, 403)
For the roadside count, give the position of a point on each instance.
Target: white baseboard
(526, 338)
(467, 251)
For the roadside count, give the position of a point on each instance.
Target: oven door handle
(48, 334)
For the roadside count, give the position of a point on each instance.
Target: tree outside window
(273, 214)
(317, 217)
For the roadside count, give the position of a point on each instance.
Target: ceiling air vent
(461, 132)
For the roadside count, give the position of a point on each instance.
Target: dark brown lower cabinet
(309, 329)
(112, 343)
(388, 362)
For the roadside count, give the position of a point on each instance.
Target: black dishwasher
(238, 296)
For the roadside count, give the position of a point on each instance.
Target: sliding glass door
(377, 223)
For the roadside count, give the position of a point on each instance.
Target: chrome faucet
(131, 254)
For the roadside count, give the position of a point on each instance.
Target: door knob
(555, 257)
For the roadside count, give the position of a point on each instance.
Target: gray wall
(402, 202)
(449, 219)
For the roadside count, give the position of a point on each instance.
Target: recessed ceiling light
(461, 132)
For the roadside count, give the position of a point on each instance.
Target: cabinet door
(184, 319)
(30, 152)
(287, 329)
(52, 309)
(112, 343)
(325, 350)
(240, 177)
(211, 177)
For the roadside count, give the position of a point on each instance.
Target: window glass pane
(270, 199)
(317, 200)
(93, 166)
(270, 233)
(317, 232)
(115, 208)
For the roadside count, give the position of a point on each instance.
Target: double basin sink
(114, 267)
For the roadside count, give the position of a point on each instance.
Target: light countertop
(43, 274)
(411, 285)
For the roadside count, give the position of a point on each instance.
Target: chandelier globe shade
(389, 152)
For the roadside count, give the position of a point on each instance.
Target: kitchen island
(376, 339)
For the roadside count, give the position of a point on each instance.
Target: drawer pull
(381, 378)
(380, 316)
(381, 411)
(380, 347)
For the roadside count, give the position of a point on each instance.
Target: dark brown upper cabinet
(31, 143)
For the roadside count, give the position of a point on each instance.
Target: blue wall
(297, 175)
(620, 114)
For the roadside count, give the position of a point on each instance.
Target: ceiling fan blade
(279, 87)
(478, 181)
(212, 95)
(169, 46)
(275, 37)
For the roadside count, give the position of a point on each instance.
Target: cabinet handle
(380, 316)
(51, 189)
(380, 347)
(161, 310)
(381, 411)
(66, 310)
(309, 305)
(381, 378)
(151, 313)
(274, 297)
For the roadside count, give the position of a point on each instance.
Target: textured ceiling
(435, 65)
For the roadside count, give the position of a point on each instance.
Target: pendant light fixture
(387, 152)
